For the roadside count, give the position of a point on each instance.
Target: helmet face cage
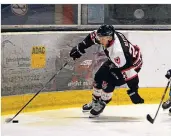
(106, 30)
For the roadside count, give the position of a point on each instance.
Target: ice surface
(115, 121)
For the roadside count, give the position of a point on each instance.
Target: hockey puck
(15, 121)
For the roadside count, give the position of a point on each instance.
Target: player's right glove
(168, 74)
(135, 97)
(75, 53)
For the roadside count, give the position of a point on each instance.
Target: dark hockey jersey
(120, 52)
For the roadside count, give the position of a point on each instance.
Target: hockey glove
(135, 97)
(168, 74)
(75, 53)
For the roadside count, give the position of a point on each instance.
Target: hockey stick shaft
(149, 118)
(40, 90)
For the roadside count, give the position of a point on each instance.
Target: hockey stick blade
(149, 118)
(8, 120)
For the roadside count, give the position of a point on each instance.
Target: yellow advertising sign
(38, 57)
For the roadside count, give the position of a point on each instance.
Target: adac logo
(38, 50)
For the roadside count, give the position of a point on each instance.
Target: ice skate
(166, 104)
(87, 107)
(98, 109)
(170, 112)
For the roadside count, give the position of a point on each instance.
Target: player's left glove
(75, 53)
(135, 97)
(168, 74)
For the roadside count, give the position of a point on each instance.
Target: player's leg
(106, 97)
(96, 94)
(100, 75)
(167, 103)
(110, 80)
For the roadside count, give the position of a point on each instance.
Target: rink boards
(74, 98)
(29, 60)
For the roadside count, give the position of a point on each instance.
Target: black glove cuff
(74, 53)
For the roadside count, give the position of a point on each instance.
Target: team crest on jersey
(117, 60)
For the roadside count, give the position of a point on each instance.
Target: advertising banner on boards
(30, 60)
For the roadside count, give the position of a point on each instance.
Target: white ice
(115, 121)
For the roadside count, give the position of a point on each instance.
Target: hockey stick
(149, 118)
(12, 119)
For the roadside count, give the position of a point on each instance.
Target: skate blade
(93, 116)
(165, 108)
(85, 111)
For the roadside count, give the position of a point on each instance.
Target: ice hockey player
(167, 104)
(123, 64)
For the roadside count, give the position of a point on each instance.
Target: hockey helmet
(105, 30)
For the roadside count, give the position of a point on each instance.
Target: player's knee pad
(96, 93)
(106, 97)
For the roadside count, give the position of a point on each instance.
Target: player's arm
(79, 50)
(132, 52)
